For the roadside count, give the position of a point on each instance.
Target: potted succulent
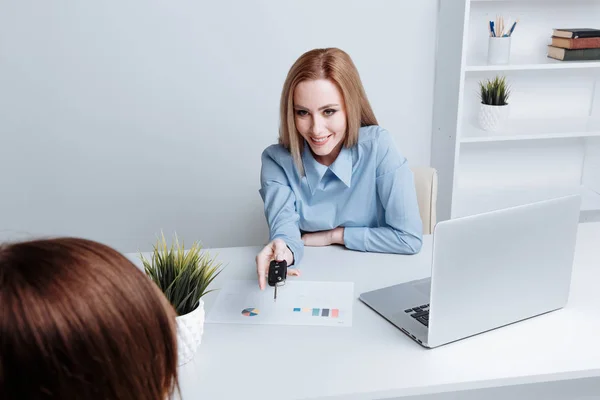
(493, 110)
(183, 277)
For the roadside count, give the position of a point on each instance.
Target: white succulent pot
(492, 118)
(189, 334)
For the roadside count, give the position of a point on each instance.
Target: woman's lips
(321, 142)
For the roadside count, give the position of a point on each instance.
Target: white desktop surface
(373, 359)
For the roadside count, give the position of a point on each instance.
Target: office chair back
(426, 181)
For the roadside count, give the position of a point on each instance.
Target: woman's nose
(318, 126)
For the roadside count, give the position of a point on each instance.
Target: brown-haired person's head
(329, 79)
(79, 321)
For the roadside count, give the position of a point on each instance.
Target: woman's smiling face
(320, 116)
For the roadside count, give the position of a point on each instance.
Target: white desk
(373, 359)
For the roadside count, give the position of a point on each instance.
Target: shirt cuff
(355, 238)
(293, 256)
(296, 247)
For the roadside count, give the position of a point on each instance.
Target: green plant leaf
(494, 91)
(182, 275)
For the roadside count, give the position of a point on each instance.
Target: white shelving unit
(551, 144)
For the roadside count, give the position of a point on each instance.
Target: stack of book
(575, 44)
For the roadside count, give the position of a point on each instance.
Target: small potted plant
(183, 277)
(493, 110)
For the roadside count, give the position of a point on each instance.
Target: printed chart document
(298, 303)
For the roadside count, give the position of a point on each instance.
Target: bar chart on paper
(298, 303)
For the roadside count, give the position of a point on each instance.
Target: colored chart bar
(319, 312)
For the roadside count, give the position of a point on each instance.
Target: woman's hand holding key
(276, 250)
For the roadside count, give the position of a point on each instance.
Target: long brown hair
(79, 321)
(335, 65)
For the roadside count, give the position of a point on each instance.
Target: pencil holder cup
(498, 50)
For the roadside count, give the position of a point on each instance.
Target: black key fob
(277, 272)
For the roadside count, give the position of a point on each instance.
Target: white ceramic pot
(189, 334)
(492, 118)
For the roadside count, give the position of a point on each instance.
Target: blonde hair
(337, 66)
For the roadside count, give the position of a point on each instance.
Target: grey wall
(122, 118)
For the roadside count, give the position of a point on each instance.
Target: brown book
(573, 55)
(576, 33)
(579, 43)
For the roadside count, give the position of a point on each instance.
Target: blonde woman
(335, 177)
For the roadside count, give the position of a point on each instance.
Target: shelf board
(471, 201)
(533, 129)
(524, 63)
(506, 1)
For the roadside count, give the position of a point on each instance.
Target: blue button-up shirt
(369, 190)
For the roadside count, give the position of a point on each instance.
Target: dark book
(579, 43)
(576, 33)
(573, 55)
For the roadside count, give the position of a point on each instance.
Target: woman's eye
(329, 112)
(301, 113)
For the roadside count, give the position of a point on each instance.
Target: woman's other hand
(324, 238)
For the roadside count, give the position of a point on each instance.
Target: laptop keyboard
(420, 313)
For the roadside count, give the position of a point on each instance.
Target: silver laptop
(488, 270)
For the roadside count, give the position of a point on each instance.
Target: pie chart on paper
(250, 312)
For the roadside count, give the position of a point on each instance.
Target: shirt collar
(341, 167)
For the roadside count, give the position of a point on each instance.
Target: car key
(277, 275)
